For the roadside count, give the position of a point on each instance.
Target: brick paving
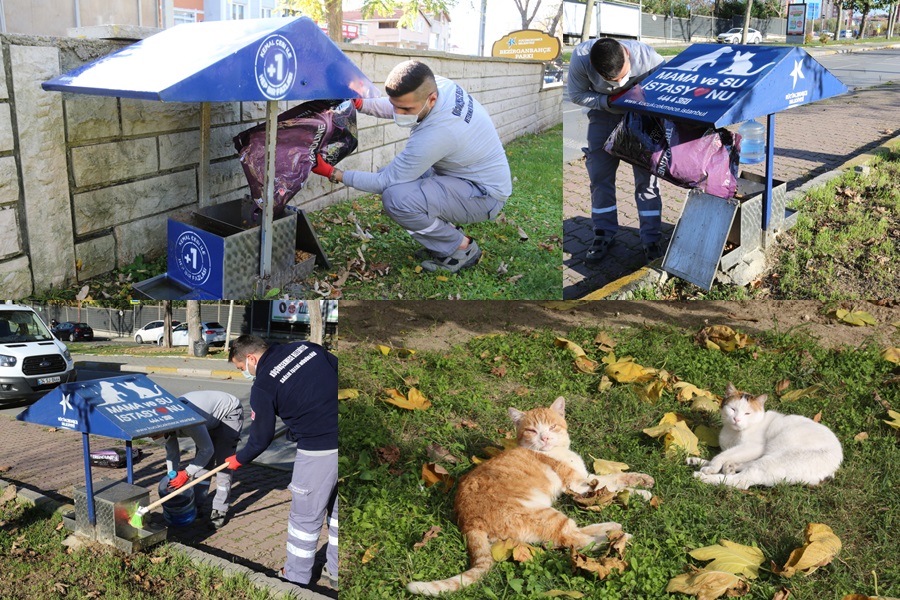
(51, 462)
(809, 141)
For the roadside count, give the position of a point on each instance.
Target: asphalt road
(856, 70)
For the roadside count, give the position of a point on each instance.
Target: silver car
(211, 332)
(733, 36)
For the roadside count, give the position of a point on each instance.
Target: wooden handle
(192, 483)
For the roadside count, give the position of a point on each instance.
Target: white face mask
(246, 371)
(408, 120)
(621, 82)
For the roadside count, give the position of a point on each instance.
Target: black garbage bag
(688, 155)
(326, 127)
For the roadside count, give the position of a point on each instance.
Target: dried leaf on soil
(722, 337)
(600, 567)
(891, 355)
(708, 585)
(438, 452)
(433, 473)
(414, 401)
(582, 362)
(428, 535)
(347, 394)
(604, 342)
(387, 455)
(807, 392)
(731, 557)
(821, 546)
(859, 318)
(383, 349)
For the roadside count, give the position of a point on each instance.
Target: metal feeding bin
(122, 408)
(266, 60)
(717, 86)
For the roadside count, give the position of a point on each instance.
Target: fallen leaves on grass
(722, 337)
(652, 392)
(401, 352)
(859, 318)
(582, 362)
(347, 394)
(428, 535)
(8, 494)
(433, 473)
(438, 452)
(387, 455)
(518, 551)
(700, 399)
(625, 370)
(708, 585)
(604, 342)
(608, 467)
(891, 355)
(561, 593)
(807, 392)
(676, 435)
(821, 546)
(601, 567)
(414, 400)
(595, 500)
(370, 553)
(895, 419)
(731, 557)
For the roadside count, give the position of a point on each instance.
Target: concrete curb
(185, 371)
(652, 275)
(277, 587)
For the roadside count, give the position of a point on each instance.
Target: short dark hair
(407, 77)
(246, 344)
(607, 57)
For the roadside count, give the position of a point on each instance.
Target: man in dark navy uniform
(297, 382)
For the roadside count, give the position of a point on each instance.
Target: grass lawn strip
(386, 509)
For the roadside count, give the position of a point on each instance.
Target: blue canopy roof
(719, 85)
(122, 408)
(225, 61)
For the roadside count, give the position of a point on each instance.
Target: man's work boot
(599, 249)
(461, 259)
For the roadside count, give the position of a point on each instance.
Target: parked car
(733, 36)
(847, 33)
(151, 331)
(211, 332)
(69, 331)
(32, 361)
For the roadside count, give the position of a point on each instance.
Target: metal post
(203, 179)
(129, 465)
(88, 483)
(265, 246)
(770, 168)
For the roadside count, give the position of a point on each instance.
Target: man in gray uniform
(452, 171)
(215, 441)
(601, 69)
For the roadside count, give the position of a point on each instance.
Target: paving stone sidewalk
(810, 140)
(51, 462)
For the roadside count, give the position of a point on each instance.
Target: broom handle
(206, 475)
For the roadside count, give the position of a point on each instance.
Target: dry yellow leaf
(706, 404)
(608, 467)
(599, 567)
(604, 342)
(895, 416)
(610, 359)
(652, 392)
(415, 401)
(585, 365)
(667, 422)
(560, 593)
(731, 557)
(859, 318)
(442, 278)
(708, 585)
(370, 553)
(680, 438)
(418, 269)
(626, 371)
(347, 394)
(891, 355)
(570, 346)
(689, 391)
(808, 392)
(383, 349)
(433, 473)
(605, 384)
(821, 546)
(518, 551)
(722, 337)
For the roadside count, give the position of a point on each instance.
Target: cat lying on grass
(761, 447)
(510, 496)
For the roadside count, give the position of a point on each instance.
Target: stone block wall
(87, 182)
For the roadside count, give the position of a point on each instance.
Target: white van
(32, 361)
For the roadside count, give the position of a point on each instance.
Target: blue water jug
(180, 510)
(753, 142)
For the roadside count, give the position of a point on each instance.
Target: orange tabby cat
(509, 497)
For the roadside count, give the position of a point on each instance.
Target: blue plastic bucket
(180, 510)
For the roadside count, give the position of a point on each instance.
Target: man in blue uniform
(297, 382)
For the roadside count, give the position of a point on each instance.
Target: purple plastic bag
(317, 127)
(690, 156)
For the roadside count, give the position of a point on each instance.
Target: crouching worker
(452, 171)
(297, 382)
(215, 441)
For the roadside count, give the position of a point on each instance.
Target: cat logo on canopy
(527, 44)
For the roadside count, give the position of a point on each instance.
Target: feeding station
(253, 60)
(121, 408)
(717, 86)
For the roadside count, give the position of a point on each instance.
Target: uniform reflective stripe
(292, 549)
(301, 535)
(332, 539)
(648, 213)
(333, 522)
(600, 211)
(437, 223)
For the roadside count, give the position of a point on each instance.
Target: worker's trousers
(225, 438)
(313, 500)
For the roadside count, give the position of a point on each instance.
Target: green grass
(34, 564)
(390, 269)
(386, 510)
(106, 349)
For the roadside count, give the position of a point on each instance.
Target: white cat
(762, 447)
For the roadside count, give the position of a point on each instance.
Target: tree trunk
(193, 320)
(586, 28)
(523, 11)
(862, 25)
(316, 324)
(334, 16)
(556, 19)
(228, 327)
(746, 22)
(167, 324)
